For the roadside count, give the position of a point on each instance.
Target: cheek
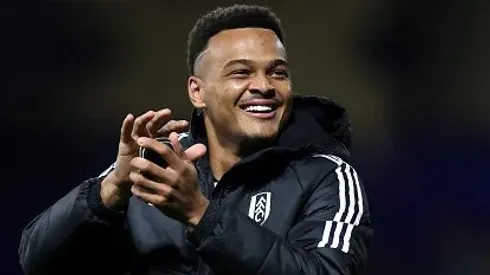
(237, 85)
(229, 94)
(211, 97)
(220, 103)
(289, 100)
(286, 93)
(284, 87)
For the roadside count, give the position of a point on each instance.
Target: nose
(262, 84)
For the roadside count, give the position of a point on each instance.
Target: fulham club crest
(260, 207)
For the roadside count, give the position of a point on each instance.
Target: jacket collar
(316, 124)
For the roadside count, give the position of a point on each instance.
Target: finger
(161, 117)
(141, 188)
(139, 127)
(178, 126)
(154, 172)
(195, 151)
(149, 185)
(147, 197)
(126, 128)
(174, 138)
(173, 160)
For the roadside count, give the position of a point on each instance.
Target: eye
(280, 74)
(241, 72)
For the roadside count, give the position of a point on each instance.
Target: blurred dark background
(414, 75)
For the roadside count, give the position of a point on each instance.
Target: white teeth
(258, 108)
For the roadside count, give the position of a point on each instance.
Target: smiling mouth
(259, 109)
(265, 110)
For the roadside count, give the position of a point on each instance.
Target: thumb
(195, 151)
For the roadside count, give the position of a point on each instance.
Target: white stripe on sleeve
(359, 197)
(107, 171)
(341, 179)
(349, 190)
(352, 203)
(183, 135)
(326, 234)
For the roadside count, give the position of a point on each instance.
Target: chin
(267, 130)
(251, 144)
(256, 140)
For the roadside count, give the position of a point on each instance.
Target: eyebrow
(248, 62)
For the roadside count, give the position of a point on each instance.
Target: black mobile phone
(154, 156)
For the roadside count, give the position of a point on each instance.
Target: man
(260, 185)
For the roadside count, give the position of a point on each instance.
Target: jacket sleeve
(76, 235)
(331, 235)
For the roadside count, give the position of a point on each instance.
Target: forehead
(255, 44)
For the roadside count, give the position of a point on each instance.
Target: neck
(222, 154)
(221, 159)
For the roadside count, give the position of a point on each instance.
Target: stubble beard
(250, 143)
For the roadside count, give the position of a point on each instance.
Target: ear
(196, 91)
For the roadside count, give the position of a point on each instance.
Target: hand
(178, 126)
(174, 189)
(115, 188)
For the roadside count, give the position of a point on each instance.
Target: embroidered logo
(260, 207)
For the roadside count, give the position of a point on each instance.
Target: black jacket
(297, 207)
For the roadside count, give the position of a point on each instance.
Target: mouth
(264, 109)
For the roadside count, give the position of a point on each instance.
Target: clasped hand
(173, 189)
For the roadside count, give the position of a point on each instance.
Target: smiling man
(261, 183)
(241, 83)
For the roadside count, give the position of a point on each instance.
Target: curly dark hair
(232, 17)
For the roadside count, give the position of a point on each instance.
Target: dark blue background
(417, 91)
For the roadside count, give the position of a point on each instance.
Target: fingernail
(141, 141)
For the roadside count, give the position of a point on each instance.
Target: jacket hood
(319, 123)
(316, 123)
